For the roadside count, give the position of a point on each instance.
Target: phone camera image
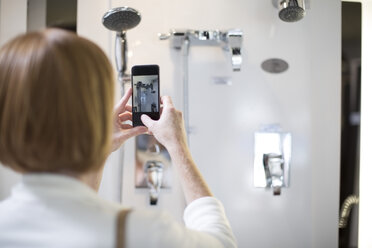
(145, 94)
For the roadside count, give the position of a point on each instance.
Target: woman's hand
(169, 130)
(121, 131)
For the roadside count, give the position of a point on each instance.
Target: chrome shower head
(121, 19)
(290, 10)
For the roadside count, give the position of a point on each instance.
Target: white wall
(13, 21)
(305, 100)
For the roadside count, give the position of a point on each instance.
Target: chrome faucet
(272, 158)
(274, 168)
(230, 40)
(153, 166)
(233, 42)
(154, 178)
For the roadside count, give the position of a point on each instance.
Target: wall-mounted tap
(233, 40)
(230, 40)
(272, 158)
(274, 168)
(153, 166)
(154, 178)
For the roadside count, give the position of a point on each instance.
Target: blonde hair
(56, 103)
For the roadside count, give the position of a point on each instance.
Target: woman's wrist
(179, 152)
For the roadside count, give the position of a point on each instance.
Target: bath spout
(154, 178)
(273, 164)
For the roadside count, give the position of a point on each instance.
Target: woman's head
(56, 103)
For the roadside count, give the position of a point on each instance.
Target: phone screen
(145, 96)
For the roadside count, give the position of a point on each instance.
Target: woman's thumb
(147, 121)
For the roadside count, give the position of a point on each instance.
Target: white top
(49, 210)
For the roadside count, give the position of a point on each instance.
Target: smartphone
(145, 93)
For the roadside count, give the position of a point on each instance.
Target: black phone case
(144, 70)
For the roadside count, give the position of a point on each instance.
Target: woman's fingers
(133, 132)
(121, 106)
(167, 101)
(128, 108)
(127, 116)
(149, 123)
(126, 126)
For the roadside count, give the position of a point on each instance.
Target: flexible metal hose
(349, 202)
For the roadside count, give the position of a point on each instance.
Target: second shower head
(121, 19)
(290, 10)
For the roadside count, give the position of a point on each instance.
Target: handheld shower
(120, 20)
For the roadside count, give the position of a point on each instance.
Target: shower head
(121, 19)
(290, 10)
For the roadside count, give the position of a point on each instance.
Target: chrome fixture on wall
(121, 20)
(290, 10)
(272, 158)
(153, 166)
(230, 41)
(154, 179)
(274, 167)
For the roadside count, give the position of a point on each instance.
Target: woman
(57, 129)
